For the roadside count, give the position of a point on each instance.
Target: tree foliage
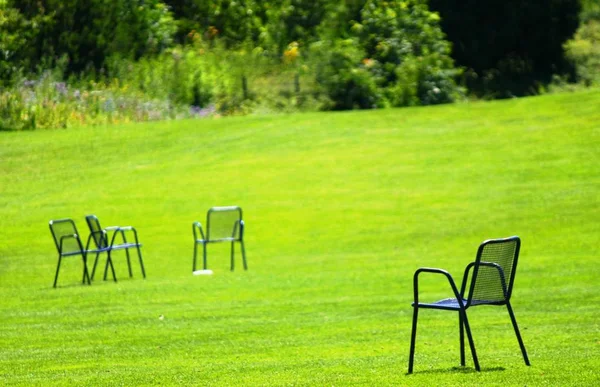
(509, 46)
(360, 53)
(88, 32)
(396, 56)
(584, 49)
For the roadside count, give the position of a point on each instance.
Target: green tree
(590, 10)
(88, 32)
(232, 21)
(405, 43)
(508, 46)
(395, 54)
(584, 49)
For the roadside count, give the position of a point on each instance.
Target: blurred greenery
(239, 57)
(509, 47)
(584, 49)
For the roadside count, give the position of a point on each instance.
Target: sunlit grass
(340, 209)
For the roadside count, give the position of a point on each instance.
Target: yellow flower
(291, 53)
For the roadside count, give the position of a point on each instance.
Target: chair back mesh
(223, 222)
(487, 284)
(61, 228)
(99, 237)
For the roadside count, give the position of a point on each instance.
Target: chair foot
(413, 339)
(518, 334)
(470, 338)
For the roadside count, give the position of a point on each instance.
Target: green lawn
(340, 210)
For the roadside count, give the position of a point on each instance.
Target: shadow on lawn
(461, 370)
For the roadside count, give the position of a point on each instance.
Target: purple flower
(198, 112)
(61, 87)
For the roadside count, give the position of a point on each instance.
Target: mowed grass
(340, 210)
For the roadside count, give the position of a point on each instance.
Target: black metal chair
(68, 244)
(492, 279)
(105, 243)
(223, 224)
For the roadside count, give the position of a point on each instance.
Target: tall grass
(193, 81)
(47, 102)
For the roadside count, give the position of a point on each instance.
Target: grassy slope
(341, 208)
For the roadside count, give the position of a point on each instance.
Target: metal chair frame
(101, 237)
(59, 241)
(460, 304)
(237, 235)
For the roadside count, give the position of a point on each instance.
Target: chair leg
(106, 267)
(204, 255)
(413, 337)
(112, 268)
(516, 327)
(86, 275)
(232, 256)
(461, 330)
(243, 255)
(129, 263)
(57, 269)
(470, 337)
(127, 253)
(195, 254)
(139, 251)
(95, 263)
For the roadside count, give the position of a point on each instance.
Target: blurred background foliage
(200, 57)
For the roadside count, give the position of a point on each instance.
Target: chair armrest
(121, 230)
(111, 228)
(197, 228)
(435, 271)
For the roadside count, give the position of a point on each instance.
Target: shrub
(396, 55)
(87, 32)
(510, 47)
(412, 58)
(47, 102)
(346, 81)
(584, 51)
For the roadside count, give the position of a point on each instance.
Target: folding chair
(101, 237)
(223, 224)
(68, 244)
(492, 279)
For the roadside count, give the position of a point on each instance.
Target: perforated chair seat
(452, 303)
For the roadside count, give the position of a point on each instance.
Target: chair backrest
(223, 222)
(61, 228)
(494, 271)
(98, 236)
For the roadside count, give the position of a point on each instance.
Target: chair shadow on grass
(457, 369)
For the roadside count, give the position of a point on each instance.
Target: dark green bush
(584, 51)
(509, 47)
(411, 57)
(344, 79)
(396, 56)
(86, 32)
